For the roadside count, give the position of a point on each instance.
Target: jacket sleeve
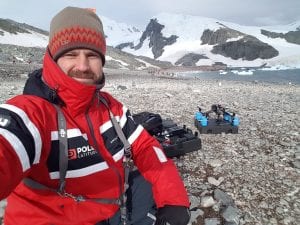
(20, 147)
(167, 186)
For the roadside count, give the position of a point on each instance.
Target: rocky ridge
(291, 36)
(190, 59)
(14, 27)
(247, 47)
(247, 178)
(157, 40)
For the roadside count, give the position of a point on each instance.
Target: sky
(138, 12)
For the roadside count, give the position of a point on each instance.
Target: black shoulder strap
(63, 148)
(63, 156)
(128, 162)
(118, 129)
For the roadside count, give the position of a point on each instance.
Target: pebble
(212, 221)
(207, 201)
(215, 181)
(230, 214)
(215, 163)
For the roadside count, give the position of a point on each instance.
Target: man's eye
(69, 55)
(93, 56)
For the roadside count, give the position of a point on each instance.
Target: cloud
(138, 12)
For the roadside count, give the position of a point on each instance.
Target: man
(62, 156)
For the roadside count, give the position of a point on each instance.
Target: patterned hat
(75, 28)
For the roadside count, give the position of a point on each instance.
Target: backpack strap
(63, 149)
(63, 156)
(127, 162)
(118, 129)
(78, 198)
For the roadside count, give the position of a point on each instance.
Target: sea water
(288, 76)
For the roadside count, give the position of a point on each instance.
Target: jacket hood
(54, 85)
(35, 86)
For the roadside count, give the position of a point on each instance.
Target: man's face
(83, 65)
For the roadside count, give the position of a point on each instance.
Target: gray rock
(207, 201)
(215, 181)
(219, 36)
(190, 59)
(246, 49)
(215, 163)
(231, 223)
(121, 87)
(195, 215)
(222, 197)
(291, 36)
(296, 163)
(230, 214)
(212, 221)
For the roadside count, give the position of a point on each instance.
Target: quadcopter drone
(217, 120)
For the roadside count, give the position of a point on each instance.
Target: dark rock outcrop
(190, 59)
(271, 34)
(219, 36)
(291, 36)
(11, 27)
(124, 45)
(247, 48)
(157, 40)
(155, 62)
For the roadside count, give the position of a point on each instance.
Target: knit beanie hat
(75, 28)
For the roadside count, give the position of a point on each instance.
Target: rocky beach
(249, 178)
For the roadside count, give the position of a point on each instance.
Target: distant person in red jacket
(66, 147)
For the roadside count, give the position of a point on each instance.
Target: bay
(290, 76)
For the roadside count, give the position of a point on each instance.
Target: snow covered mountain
(195, 41)
(185, 40)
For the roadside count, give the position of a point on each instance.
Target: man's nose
(82, 63)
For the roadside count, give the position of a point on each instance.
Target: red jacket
(29, 148)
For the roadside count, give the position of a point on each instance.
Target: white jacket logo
(4, 122)
(81, 152)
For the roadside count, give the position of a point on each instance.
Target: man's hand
(173, 215)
